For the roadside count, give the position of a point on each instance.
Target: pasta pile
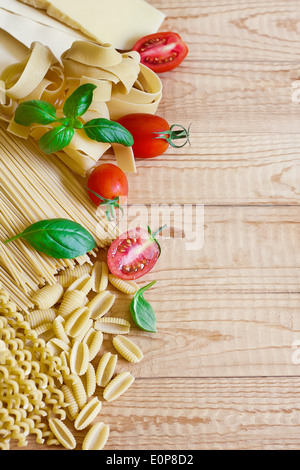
(32, 188)
(124, 86)
(50, 365)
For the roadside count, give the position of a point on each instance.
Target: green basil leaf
(58, 238)
(79, 101)
(35, 112)
(142, 312)
(56, 139)
(104, 130)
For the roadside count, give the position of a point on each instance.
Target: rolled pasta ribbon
(22, 78)
(124, 86)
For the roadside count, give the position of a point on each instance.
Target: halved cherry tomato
(152, 134)
(108, 184)
(133, 254)
(162, 51)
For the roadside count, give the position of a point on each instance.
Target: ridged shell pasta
(79, 358)
(127, 287)
(101, 304)
(112, 325)
(47, 296)
(106, 369)
(37, 317)
(83, 284)
(70, 302)
(100, 276)
(79, 391)
(76, 321)
(73, 408)
(117, 386)
(87, 415)
(67, 277)
(94, 340)
(90, 380)
(128, 349)
(62, 433)
(96, 437)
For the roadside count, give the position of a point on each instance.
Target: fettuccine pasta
(124, 86)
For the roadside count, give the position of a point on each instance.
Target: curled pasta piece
(76, 321)
(70, 302)
(47, 296)
(127, 287)
(94, 340)
(117, 386)
(90, 380)
(84, 284)
(101, 304)
(67, 277)
(72, 408)
(88, 413)
(43, 328)
(106, 369)
(96, 437)
(79, 391)
(82, 333)
(62, 433)
(57, 346)
(128, 349)
(79, 358)
(58, 328)
(100, 276)
(112, 325)
(37, 317)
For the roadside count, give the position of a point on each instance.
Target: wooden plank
(222, 169)
(219, 97)
(202, 414)
(243, 30)
(211, 335)
(224, 249)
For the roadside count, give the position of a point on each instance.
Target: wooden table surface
(222, 372)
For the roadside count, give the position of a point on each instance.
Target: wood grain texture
(203, 414)
(236, 30)
(223, 370)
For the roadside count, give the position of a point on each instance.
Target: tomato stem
(111, 204)
(172, 134)
(154, 235)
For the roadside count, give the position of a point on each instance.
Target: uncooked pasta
(27, 197)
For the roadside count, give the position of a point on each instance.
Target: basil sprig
(76, 105)
(58, 238)
(142, 312)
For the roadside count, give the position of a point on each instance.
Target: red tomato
(133, 254)
(143, 127)
(109, 181)
(162, 52)
(152, 134)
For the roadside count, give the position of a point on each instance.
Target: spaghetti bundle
(33, 187)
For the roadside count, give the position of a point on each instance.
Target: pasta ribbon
(124, 86)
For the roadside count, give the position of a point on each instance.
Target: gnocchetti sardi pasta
(118, 386)
(106, 368)
(88, 413)
(128, 349)
(96, 437)
(112, 325)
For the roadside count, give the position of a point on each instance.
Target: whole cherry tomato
(152, 134)
(108, 184)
